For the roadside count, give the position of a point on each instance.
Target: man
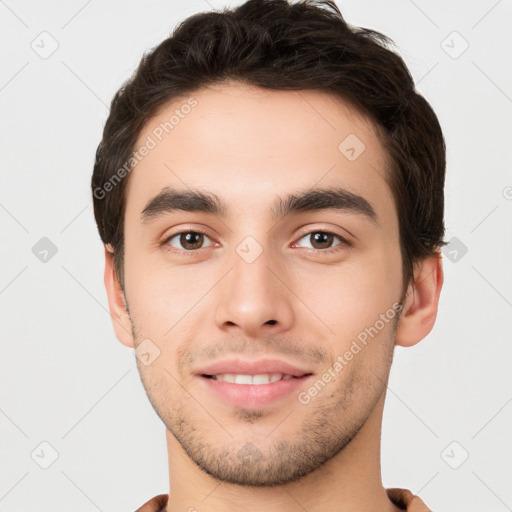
(269, 190)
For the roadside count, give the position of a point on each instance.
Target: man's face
(250, 284)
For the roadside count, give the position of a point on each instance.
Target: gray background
(68, 383)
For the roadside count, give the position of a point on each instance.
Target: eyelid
(324, 229)
(344, 243)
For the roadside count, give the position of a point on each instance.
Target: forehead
(247, 145)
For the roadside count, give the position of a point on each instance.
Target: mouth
(257, 380)
(249, 384)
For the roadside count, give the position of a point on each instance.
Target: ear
(421, 300)
(116, 301)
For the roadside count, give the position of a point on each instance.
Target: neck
(351, 480)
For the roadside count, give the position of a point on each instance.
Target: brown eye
(187, 240)
(323, 240)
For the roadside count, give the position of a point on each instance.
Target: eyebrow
(170, 200)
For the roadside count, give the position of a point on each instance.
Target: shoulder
(156, 504)
(406, 500)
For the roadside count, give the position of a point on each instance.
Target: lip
(253, 395)
(239, 366)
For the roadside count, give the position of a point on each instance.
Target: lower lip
(254, 395)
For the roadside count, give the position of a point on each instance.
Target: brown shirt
(400, 497)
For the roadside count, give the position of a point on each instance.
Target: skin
(249, 146)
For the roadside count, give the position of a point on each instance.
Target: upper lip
(258, 367)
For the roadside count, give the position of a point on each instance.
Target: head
(308, 173)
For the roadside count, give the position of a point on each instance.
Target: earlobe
(116, 301)
(421, 301)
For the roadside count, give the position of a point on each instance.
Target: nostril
(271, 322)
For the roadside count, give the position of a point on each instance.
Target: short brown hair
(277, 45)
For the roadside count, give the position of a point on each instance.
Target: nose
(252, 298)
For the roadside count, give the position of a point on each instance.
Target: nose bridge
(252, 297)
(251, 269)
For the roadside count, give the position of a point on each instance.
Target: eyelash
(344, 242)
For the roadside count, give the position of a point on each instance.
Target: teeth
(243, 379)
(265, 378)
(262, 379)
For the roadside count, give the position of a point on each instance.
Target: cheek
(351, 295)
(160, 294)
(161, 385)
